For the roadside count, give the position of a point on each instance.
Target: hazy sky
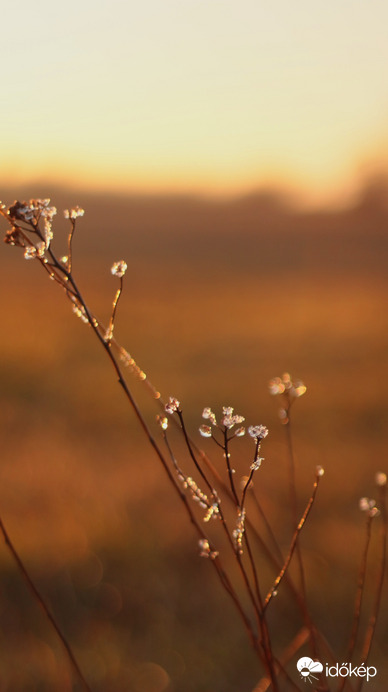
(213, 95)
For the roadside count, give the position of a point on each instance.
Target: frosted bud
(119, 268)
(205, 431)
(172, 406)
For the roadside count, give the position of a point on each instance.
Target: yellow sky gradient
(195, 95)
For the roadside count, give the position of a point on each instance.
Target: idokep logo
(307, 667)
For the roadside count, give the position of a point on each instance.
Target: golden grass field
(210, 316)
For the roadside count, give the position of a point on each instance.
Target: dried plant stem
(224, 579)
(277, 563)
(293, 501)
(293, 647)
(116, 299)
(63, 275)
(70, 245)
(279, 578)
(294, 509)
(265, 641)
(38, 598)
(379, 585)
(230, 470)
(221, 572)
(359, 597)
(257, 605)
(191, 452)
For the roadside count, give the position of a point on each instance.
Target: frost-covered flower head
(258, 432)
(205, 431)
(172, 405)
(32, 210)
(208, 414)
(73, 213)
(119, 268)
(230, 419)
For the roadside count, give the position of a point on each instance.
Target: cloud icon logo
(307, 667)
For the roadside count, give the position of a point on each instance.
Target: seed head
(73, 213)
(172, 405)
(119, 268)
(258, 432)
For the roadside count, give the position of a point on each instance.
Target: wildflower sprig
(319, 472)
(213, 505)
(24, 218)
(228, 421)
(188, 483)
(72, 215)
(258, 433)
(118, 269)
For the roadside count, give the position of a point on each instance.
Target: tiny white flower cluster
(257, 463)
(258, 432)
(285, 385)
(369, 506)
(31, 212)
(205, 431)
(108, 334)
(34, 209)
(30, 252)
(205, 550)
(208, 414)
(119, 268)
(228, 420)
(213, 512)
(238, 533)
(73, 213)
(172, 405)
(37, 250)
(79, 310)
(195, 490)
(163, 422)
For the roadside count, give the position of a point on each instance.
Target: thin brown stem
(272, 592)
(191, 452)
(359, 597)
(371, 629)
(293, 501)
(39, 599)
(160, 455)
(230, 470)
(109, 333)
(70, 246)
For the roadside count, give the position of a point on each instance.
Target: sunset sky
(214, 96)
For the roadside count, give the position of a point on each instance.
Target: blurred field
(219, 297)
